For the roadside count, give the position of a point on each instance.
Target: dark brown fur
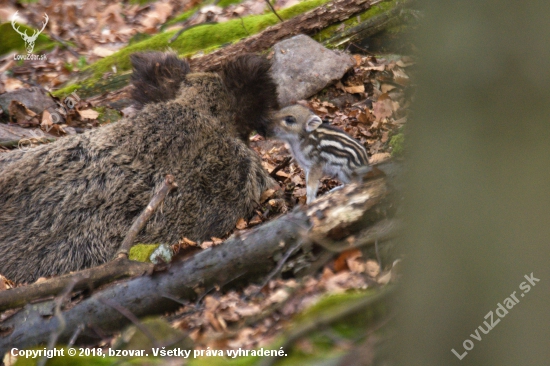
(66, 206)
(157, 76)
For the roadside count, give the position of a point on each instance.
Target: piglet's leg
(313, 175)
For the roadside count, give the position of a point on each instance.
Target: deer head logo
(29, 40)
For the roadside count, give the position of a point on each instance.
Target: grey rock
(303, 67)
(33, 98)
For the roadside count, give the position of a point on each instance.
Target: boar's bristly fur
(67, 206)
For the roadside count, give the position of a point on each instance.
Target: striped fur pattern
(319, 149)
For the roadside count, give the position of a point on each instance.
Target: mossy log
(308, 23)
(371, 25)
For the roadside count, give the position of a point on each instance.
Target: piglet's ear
(312, 123)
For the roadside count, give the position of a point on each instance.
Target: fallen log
(244, 257)
(307, 23)
(369, 27)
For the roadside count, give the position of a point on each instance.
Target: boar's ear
(312, 123)
(157, 76)
(248, 80)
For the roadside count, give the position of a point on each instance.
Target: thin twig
(128, 314)
(187, 28)
(61, 319)
(175, 299)
(280, 265)
(189, 20)
(273, 10)
(65, 44)
(282, 165)
(75, 335)
(142, 219)
(242, 23)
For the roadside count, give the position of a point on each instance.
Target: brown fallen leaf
(385, 87)
(207, 244)
(344, 281)
(159, 14)
(5, 284)
(355, 264)
(327, 273)
(383, 107)
(88, 113)
(211, 303)
(267, 166)
(241, 224)
(340, 263)
(400, 77)
(23, 116)
(189, 242)
(212, 319)
(255, 220)
(111, 16)
(278, 205)
(102, 51)
(266, 195)
(355, 89)
(282, 174)
(278, 296)
(363, 117)
(379, 158)
(375, 67)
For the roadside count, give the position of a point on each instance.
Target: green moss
(323, 347)
(355, 20)
(205, 37)
(67, 90)
(397, 143)
(138, 37)
(181, 18)
(142, 252)
(81, 62)
(160, 330)
(226, 3)
(331, 302)
(12, 41)
(107, 115)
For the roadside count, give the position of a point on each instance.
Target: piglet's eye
(290, 120)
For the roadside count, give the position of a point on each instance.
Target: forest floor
(371, 103)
